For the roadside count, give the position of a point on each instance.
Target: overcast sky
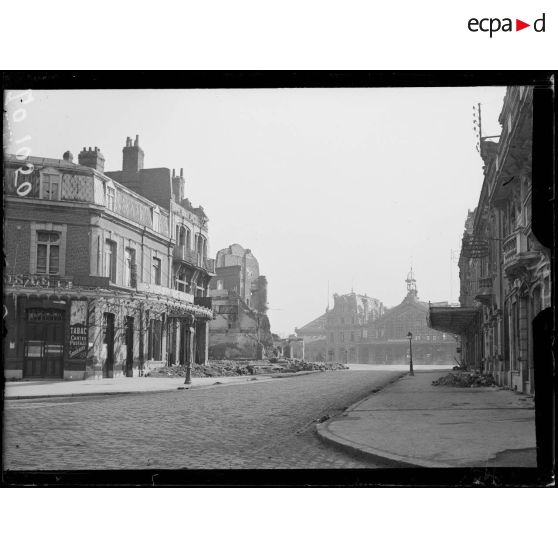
(346, 186)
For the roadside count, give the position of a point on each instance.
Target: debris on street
(217, 368)
(465, 379)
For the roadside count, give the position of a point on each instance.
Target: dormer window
(156, 217)
(110, 196)
(50, 185)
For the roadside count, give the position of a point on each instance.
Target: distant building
(387, 341)
(314, 336)
(241, 327)
(346, 326)
(291, 347)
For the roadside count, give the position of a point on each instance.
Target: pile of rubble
(296, 365)
(465, 379)
(215, 368)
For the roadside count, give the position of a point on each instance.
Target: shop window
(48, 253)
(110, 260)
(156, 271)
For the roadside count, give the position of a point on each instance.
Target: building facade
(89, 280)
(387, 340)
(314, 336)
(346, 326)
(505, 273)
(241, 328)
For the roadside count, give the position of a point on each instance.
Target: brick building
(241, 327)
(89, 287)
(505, 273)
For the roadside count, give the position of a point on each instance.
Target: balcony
(149, 288)
(484, 292)
(204, 301)
(192, 257)
(516, 254)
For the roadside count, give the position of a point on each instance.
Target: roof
(47, 162)
(456, 320)
(409, 302)
(315, 326)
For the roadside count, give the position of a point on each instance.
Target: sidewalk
(119, 386)
(414, 423)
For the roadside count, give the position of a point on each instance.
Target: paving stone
(250, 425)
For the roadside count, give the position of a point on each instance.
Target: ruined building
(346, 326)
(241, 327)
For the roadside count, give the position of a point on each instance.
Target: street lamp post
(410, 336)
(189, 356)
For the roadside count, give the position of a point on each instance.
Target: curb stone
(178, 388)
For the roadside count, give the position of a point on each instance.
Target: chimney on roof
(132, 156)
(178, 185)
(92, 158)
(68, 157)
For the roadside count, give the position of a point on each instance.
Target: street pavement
(253, 423)
(414, 423)
(114, 386)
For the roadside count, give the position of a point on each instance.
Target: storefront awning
(451, 319)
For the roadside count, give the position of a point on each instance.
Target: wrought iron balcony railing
(193, 257)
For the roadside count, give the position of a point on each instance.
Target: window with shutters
(110, 195)
(110, 260)
(48, 253)
(130, 267)
(50, 186)
(156, 271)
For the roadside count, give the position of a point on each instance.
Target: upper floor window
(130, 267)
(50, 186)
(156, 271)
(110, 195)
(156, 218)
(48, 252)
(110, 260)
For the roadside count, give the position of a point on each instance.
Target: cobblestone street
(253, 425)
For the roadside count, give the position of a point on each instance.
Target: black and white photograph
(319, 282)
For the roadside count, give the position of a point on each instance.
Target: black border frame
(544, 220)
